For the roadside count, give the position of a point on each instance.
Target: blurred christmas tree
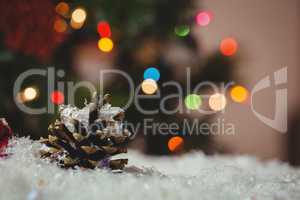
(143, 33)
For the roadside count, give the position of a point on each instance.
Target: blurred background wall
(268, 33)
(157, 33)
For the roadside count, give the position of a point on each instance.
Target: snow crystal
(193, 176)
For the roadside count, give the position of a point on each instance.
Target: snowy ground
(193, 177)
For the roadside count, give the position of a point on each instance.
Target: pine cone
(87, 137)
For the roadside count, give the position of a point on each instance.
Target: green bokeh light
(193, 101)
(182, 30)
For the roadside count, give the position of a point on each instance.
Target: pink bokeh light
(203, 18)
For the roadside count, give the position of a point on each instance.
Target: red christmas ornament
(28, 27)
(5, 135)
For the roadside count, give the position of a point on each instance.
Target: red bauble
(5, 135)
(28, 27)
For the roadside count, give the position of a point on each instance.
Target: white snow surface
(194, 176)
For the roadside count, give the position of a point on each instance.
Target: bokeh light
(75, 25)
(105, 44)
(103, 29)
(149, 86)
(203, 18)
(239, 94)
(217, 102)
(29, 94)
(228, 46)
(57, 97)
(152, 73)
(62, 8)
(175, 144)
(60, 25)
(20, 97)
(193, 101)
(182, 30)
(79, 15)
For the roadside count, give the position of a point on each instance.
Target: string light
(228, 46)
(62, 8)
(217, 102)
(103, 29)
(203, 18)
(60, 25)
(29, 94)
(79, 15)
(239, 94)
(193, 101)
(57, 97)
(105, 44)
(175, 144)
(152, 73)
(182, 30)
(149, 86)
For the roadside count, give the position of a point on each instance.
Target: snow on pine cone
(87, 137)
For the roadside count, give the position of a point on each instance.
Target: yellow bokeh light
(217, 102)
(105, 44)
(29, 94)
(149, 86)
(79, 15)
(239, 94)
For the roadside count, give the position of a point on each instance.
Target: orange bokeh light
(239, 94)
(228, 46)
(175, 144)
(60, 25)
(75, 25)
(62, 8)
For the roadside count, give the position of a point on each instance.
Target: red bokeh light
(104, 29)
(228, 46)
(57, 97)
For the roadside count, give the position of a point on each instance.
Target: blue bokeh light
(152, 73)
